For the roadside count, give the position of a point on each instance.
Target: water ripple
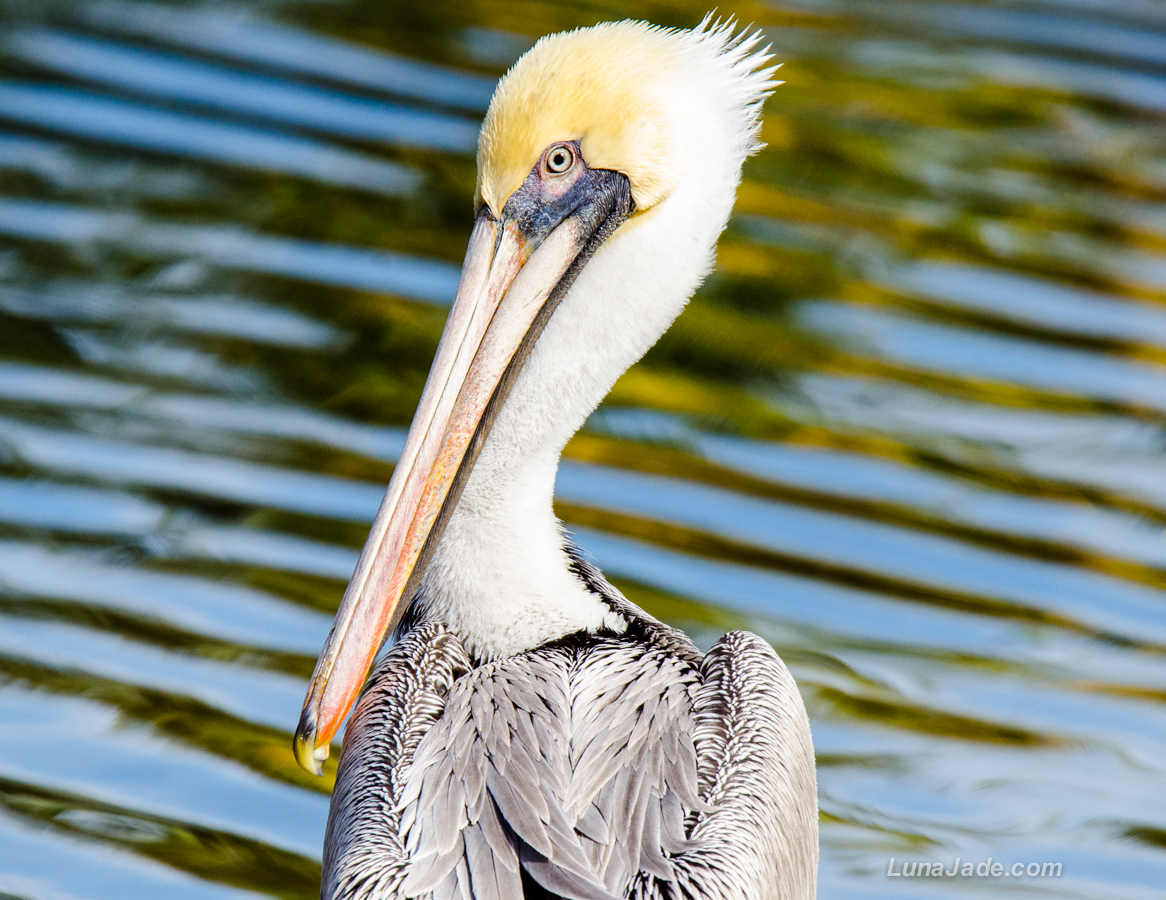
(255, 40)
(93, 116)
(174, 78)
(421, 279)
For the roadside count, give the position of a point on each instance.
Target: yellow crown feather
(598, 85)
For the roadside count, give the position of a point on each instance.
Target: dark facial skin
(561, 184)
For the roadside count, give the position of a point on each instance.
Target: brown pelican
(530, 732)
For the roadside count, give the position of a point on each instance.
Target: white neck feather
(499, 577)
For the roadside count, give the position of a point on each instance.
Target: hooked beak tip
(308, 755)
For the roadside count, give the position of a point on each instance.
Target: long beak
(512, 276)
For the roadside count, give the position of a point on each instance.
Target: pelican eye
(559, 159)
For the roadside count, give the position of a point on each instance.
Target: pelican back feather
(597, 767)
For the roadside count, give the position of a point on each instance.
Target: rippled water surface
(911, 430)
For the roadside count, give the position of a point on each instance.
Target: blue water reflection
(87, 115)
(236, 35)
(175, 78)
(395, 273)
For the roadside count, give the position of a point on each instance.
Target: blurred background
(911, 430)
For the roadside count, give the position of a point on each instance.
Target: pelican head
(608, 163)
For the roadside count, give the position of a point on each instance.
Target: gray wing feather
(758, 840)
(558, 759)
(606, 768)
(559, 881)
(364, 858)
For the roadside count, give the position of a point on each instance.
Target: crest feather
(622, 89)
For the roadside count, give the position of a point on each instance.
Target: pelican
(530, 732)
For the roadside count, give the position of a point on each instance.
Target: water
(911, 431)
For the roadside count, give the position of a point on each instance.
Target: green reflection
(189, 721)
(217, 856)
